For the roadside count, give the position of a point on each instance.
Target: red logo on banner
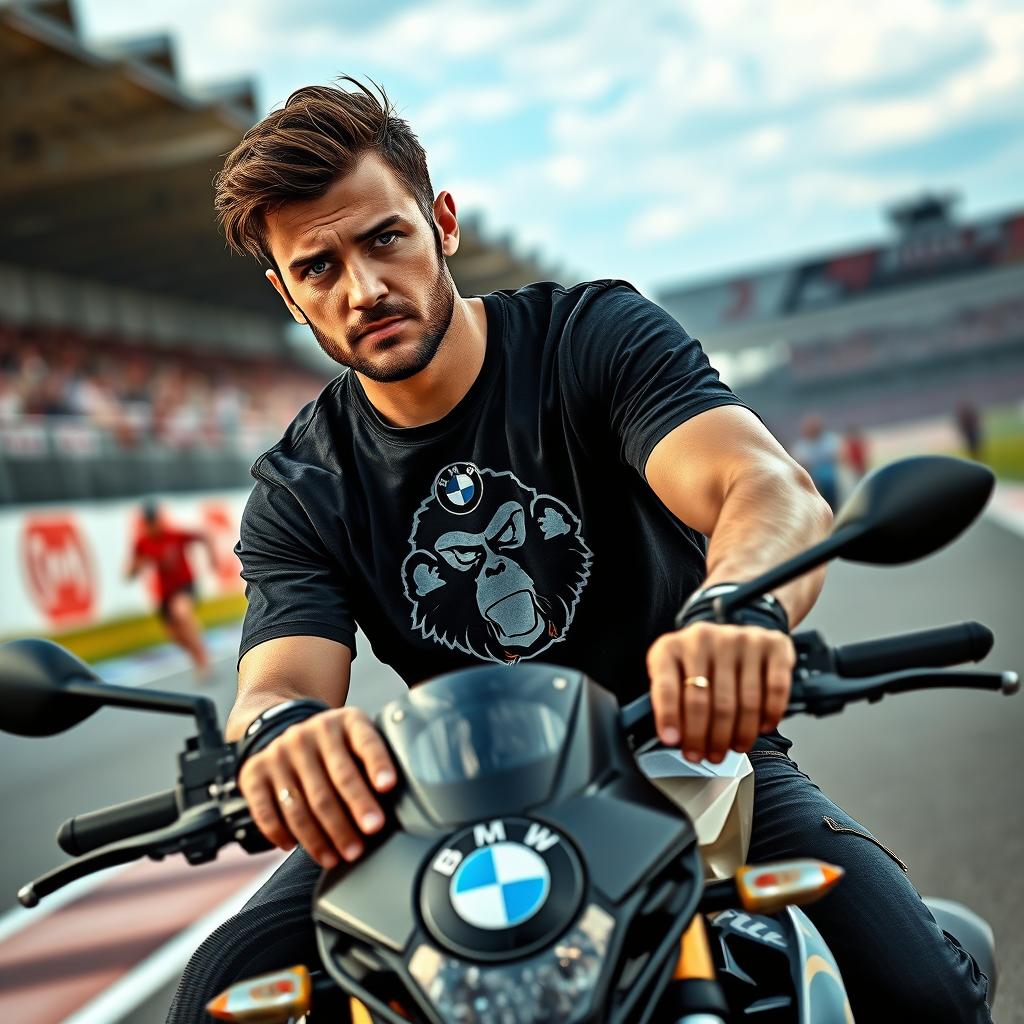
(58, 568)
(221, 525)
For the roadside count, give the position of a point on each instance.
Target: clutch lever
(199, 834)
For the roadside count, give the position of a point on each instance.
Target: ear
(421, 574)
(552, 517)
(446, 223)
(283, 292)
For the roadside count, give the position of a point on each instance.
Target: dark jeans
(898, 965)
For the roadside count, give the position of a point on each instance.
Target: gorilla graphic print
(495, 569)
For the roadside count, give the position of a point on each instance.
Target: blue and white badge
(500, 886)
(509, 884)
(459, 488)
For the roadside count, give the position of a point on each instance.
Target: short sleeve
(292, 583)
(643, 371)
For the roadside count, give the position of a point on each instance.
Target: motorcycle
(563, 868)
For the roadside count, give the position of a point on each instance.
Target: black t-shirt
(518, 526)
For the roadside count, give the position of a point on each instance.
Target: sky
(657, 141)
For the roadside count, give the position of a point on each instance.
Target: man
(164, 549)
(511, 476)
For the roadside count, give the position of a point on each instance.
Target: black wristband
(264, 729)
(765, 611)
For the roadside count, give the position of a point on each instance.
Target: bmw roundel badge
(499, 886)
(459, 488)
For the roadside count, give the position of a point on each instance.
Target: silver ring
(285, 796)
(701, 682)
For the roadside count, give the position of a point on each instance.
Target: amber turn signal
(765, 888)
(269, 999)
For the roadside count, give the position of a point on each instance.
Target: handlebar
(929, 648)
(825, 681)
(90, 831)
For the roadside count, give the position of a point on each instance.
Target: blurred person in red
(162, 548)
(855, 452)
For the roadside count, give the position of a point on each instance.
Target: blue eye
(313, 272)
(390, 236)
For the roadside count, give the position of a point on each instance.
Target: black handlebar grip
(929, 648)
(97, 828)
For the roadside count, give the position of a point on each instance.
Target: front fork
(693, 996)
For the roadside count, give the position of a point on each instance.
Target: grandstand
(874, 336)
(136, 353)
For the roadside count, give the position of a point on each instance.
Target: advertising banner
(63, 567)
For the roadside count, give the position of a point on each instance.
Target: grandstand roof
(107, 161)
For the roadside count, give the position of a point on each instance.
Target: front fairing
(513, 769)
(778, 964)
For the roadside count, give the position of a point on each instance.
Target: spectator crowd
(130, 395)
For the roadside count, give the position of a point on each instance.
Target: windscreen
(469, 725)
(484, 738)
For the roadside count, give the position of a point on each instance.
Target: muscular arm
(725, 475)
(289, 668)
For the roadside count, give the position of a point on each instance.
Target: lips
(383, 329)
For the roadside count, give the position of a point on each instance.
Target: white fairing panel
(718, 797)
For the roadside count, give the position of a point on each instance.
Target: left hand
(749, 670)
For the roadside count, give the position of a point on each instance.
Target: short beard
(385, 370)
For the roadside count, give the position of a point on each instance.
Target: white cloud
(663, 119)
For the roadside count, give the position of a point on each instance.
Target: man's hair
(298, 151)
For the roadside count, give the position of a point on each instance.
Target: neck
(432, 393)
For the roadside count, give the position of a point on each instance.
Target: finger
(323, 798)
(298, 816)
(751, 685)
(663, 668)
(696, 700)
(366, 743)
(346, 777)
(258, 791)
(728, 651)
(778, 681)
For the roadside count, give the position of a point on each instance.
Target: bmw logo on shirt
(459, 488)
(505, 885)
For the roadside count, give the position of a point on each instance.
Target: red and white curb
(106, 946)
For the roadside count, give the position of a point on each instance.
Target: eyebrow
(364, 236)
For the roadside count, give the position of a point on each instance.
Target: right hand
(320, 764)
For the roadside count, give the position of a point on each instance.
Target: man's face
(364, 269)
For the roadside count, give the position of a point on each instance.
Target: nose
(365, 287)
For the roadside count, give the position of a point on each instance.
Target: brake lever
(200, 833)
(822, 694)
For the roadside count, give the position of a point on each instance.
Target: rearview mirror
(898, 513)
(34, 695)
(45, 689)
(908, 509)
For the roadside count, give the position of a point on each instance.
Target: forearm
(767, 516)
(289, 668)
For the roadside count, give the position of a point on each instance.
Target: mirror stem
(804, 562)
(201, 708)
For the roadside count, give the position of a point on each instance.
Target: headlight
(555, 984)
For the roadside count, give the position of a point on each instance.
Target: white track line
(17, 918)
(161, 967)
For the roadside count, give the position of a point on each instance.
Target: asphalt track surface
(935, 775)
